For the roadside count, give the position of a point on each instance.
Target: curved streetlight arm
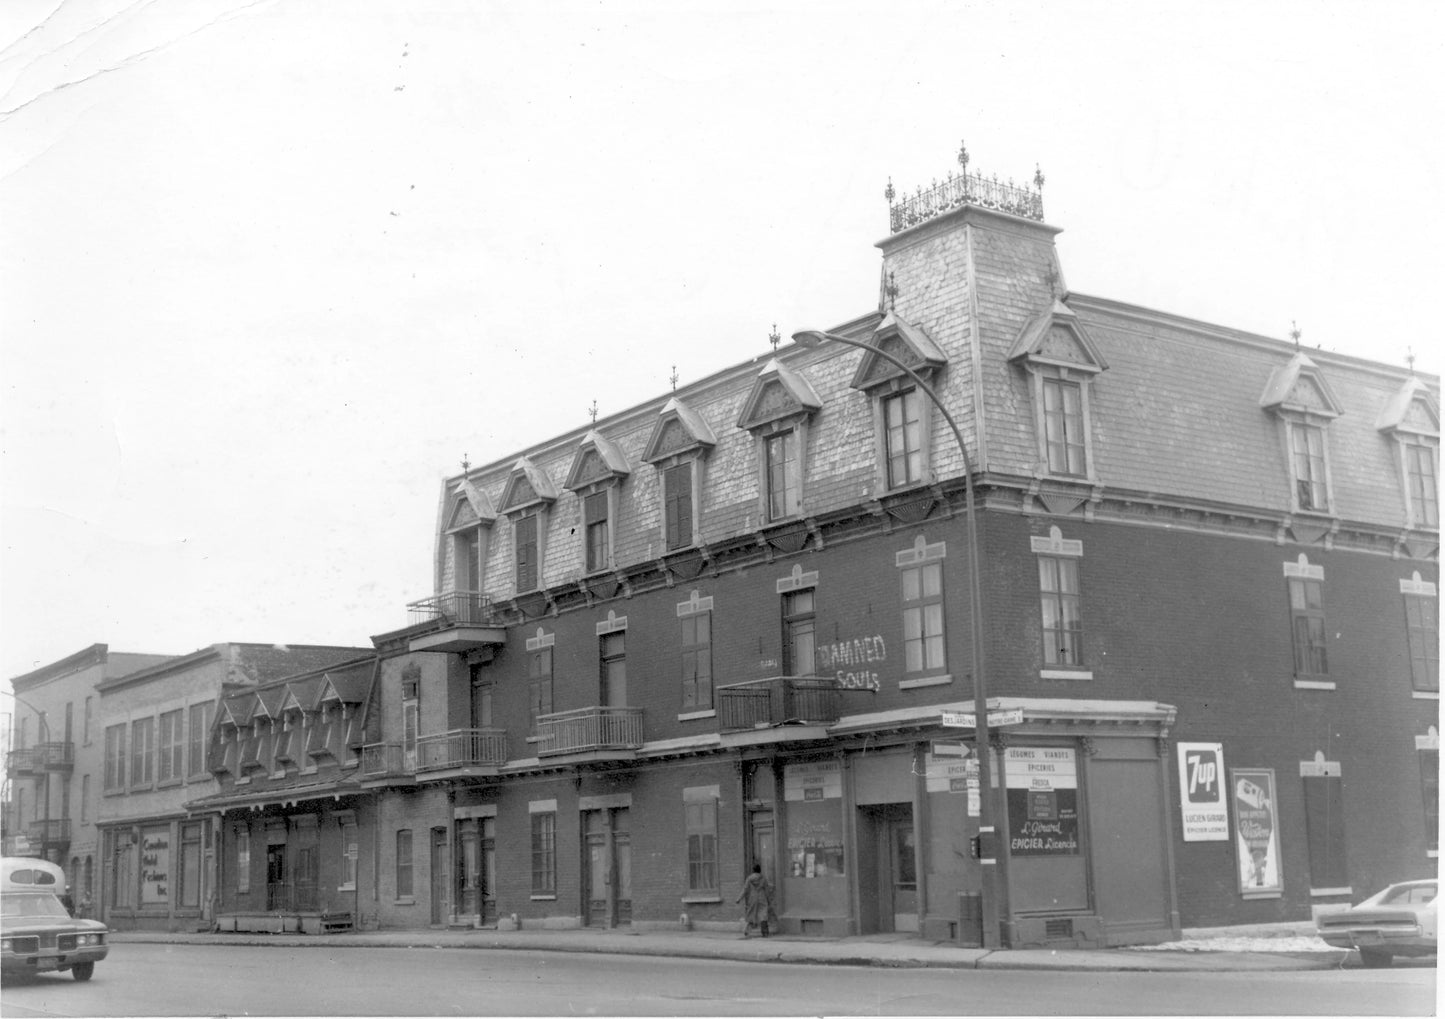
(987, 857)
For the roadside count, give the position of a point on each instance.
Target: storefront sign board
(1203, 799)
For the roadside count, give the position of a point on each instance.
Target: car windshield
(1409, 894)
(31, 904)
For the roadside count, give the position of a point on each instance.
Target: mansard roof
(527, 486)
(679, 429)
(905, 341)
(1056, 336)
(1412, 410)
(778, 393)
(269, 700)
(1299, 385)
(347, 685)
(597, 459)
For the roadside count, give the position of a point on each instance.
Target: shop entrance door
(276, 897)
(476, 858)
(887, 867)
(440, 900)
(764, 852)
(607, 867)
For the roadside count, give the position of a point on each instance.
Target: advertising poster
(1203, 805)
(155, 865)
(820, 780)
(1256, 832)
(1043, 806)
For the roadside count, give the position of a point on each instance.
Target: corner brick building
(734, 625)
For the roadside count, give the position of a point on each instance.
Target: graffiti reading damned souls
(844, 657)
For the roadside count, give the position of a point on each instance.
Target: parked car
(37, 932)
(1397, 921)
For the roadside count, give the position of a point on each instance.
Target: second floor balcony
(455, 621)
(780, 701)
(52, 756)
(608, 730)
(54, 832)
(461, 752)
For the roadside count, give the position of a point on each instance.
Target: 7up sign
(1203, 805)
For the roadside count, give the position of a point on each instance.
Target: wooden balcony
(385, 764)
(57, 829)
(590, 730)
(805, 701)
(460, 753)
(457, 621)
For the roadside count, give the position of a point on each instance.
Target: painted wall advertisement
(155, 866)
(1203, 804)
(1043, 805)
(819, 780)
(1256, 832)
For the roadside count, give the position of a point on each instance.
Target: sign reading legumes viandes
(1043, 806)
(1203, 792)
(1256, 832)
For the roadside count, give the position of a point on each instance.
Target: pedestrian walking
(757, 899)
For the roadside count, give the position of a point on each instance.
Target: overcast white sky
(269, 270)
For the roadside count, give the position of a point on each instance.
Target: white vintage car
(37, 932)
(1401, 920)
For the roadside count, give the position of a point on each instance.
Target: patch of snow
(1299, 943)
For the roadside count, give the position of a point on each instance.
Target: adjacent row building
(1187, 575)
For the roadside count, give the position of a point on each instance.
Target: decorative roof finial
(774, 338)
(673, 378)
(888, 192)
(963, 157)
(892, 291)
(593, 411)
(1294, 333)
(466, 464)
(1038, 177)
(1410, 358)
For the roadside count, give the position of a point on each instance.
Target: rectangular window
(539, 681)
(1307, 616)
(190, 897)
(84, 798)
(403, 864)
(594, 514)
(1063, 622)
(780, 453)
(701, 824)
(348, 857)
(243, 860)
(86, 723)
(142, 751)
(544, 854)
(199, 723)
(923, 618)
(114, 758)
(1325, 831)
(1424, 498)
(677, 505)
(1307, 451)
(1430, 786)
(799, 636)
(410, 719)
(173, 747)
(1064, 426)
(903, 437)
(525, 532)
(612, 648)
(1422, 626)
(697, 661)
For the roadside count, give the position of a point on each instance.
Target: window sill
(544, 898)
(539, 739)
(1261, 895)
(404, 900)
(701, 897)
(170, 783)
(1426, 695)
(692, 716)
(921, 681)
(1066, 674)
(1314, 684)
(346, 888)
(1325, 892)
(245, 780)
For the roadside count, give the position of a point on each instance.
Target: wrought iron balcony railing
(55, 756)
(382, 760)
(59, 830)
(964, 189)
(453, 608)
(596, 728)
(779, 700)
(22, 761)
(461, 748)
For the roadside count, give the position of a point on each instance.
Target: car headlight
(84, 939)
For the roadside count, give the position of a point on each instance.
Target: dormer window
(1298, 395)
(678, 449)
(597, 473)
(468, 527)
(528, 497)
(1412, 419)
(1062, 363)
(777, 412)
(902, 412)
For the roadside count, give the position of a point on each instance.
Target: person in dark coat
(757, 899)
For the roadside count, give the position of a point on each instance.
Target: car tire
(1374, 960)
(83, 970)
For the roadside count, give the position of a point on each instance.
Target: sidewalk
(1220, 951)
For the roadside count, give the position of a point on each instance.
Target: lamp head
(810, 338)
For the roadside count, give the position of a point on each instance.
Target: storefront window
(155, 866)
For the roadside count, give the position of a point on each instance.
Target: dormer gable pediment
(1300, 387)
(1412, 410)
(289, 703)
(679, 429)
(234, 711)
(528, 486)
(597, 461)
(778, 394)
(1057, 337)
(469, 506)
(904, 341)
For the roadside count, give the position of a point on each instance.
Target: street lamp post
(988, 860)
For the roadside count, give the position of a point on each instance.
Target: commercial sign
(820, 780)
(1043, 805)
(155, 866)
(1256, 832)
(969, 720)
(1203, 803)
